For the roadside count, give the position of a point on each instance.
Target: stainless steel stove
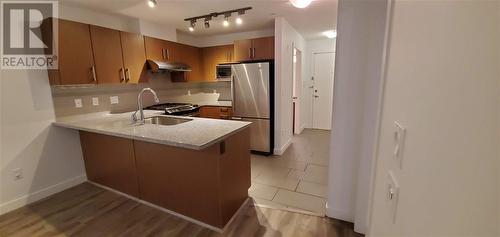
(180, 109)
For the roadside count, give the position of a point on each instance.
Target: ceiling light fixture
(330, 34)
(239, 21)
(300, 3)
(152, 3)
(227, 14)
(225, 23)
(193, 24)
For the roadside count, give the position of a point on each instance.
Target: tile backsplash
(190, 92)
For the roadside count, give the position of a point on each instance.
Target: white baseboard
(341, 215)
(280, 151)
(40, 194)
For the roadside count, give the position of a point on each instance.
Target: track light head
(152, 3)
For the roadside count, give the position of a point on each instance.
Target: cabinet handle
(122, 74)
(94, 78)
(163, 54)
(167, 54)
(127, 74)
(253, 52)
(250, 53)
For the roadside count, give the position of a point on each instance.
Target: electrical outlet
(78, 103)
(114, 100)
(392, 195)
(95, 101)
(399, 143)
(17, 174)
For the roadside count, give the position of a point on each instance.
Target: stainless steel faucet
(139, 104)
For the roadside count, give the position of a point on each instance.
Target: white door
(323, 66)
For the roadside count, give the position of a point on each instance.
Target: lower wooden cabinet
(216, 112)
(110, 161)
(208, 185)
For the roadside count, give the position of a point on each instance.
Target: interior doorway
(323, 71)
(297, 90)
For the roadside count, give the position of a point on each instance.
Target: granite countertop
(198, 134)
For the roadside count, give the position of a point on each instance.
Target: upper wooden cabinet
(134, 57)
(211, 57)
(254, 49)
(191, 56)
(162, 50)
(107, 55)
(76, 61)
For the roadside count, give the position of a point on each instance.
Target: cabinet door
(110, 161)
(210, 112)
(154, 48)
(211, 57)
(242, 50)
(134, 57)
(76, 60)
(263, 48)
(107, 54)
(189, 55)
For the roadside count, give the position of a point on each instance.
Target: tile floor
(296, 180)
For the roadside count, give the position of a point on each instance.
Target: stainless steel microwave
(223, 72)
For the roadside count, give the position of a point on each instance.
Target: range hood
(156, 65)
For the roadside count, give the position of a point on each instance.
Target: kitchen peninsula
(195, 168)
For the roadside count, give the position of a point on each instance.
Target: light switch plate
(78, 103)
(95, 101)
(114, 100)
(392, 197)
(399, 143)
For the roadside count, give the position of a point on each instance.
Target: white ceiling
(320, 16)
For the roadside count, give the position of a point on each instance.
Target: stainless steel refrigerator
(253, 101)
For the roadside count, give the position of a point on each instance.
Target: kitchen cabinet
(162, 50)
(207, 185)
(254, 49)
(110, 161)
(216, 112)
(75, 56)
(134, 57)
(191, 56)
(107, 55)
(212, 56)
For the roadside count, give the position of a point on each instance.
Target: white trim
(40, 194)
(217, 229)
(338, 214)
(280, 151)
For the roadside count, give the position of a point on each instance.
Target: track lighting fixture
(193, 24)
(152, 3)
(208, 17)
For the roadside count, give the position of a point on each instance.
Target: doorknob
(316, 96)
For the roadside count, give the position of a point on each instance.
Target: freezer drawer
(260, 134)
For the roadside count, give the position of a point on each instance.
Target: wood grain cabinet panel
(213, 56)
(242, 50)
(107, 55)
(76, 60)
(134, 57)
(110, 161)
(216, 112)
(263, 48)
(191, 56)
(154, 48)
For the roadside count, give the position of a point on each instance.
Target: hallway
(297, 180)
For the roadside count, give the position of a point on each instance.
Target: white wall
(359, 55)
(442, 84)
(286, 37)
(312, 47)
(50, 157)
(222, 39)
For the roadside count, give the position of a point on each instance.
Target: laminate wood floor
(87, 210)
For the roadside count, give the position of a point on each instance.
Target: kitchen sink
(161, 120)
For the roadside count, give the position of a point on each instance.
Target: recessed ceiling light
(152, 3)
(300, 3)
(239, 21)
(330, 34)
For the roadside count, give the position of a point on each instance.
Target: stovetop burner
(176, 108)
